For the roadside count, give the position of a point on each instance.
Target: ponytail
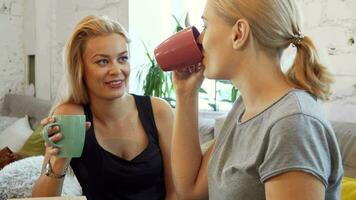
(307, 72)
(275, 24)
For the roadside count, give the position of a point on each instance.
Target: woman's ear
(241, 32)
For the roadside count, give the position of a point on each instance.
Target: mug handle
(45, 135)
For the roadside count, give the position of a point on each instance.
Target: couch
(16, 179)
(16, 105)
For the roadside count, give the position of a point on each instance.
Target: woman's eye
(204, 27)
(123, 59)
(102, 62)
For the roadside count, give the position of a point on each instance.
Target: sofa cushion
(16, 134)
(206, 129)
(34, 145)
(6, 121)
(346, 136)
(348, 189)
(207, 121)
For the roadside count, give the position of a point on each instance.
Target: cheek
(91, 75)
(217, 61)
(89, 80)
(86, 77)
(211, 45)
(127, 71)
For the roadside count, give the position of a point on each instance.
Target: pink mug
(179, 50)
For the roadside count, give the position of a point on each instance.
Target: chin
(119, 94)
(206, 75)
(113, 95)
(211, 75)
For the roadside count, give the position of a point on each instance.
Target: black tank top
(103, 175)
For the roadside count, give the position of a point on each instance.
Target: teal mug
(72, 128)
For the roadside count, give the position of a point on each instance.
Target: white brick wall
(60, 22)
(41, 27)
(12, 60)
(331, 23)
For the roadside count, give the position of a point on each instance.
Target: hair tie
(297, 39)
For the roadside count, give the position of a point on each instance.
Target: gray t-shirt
(293, 134)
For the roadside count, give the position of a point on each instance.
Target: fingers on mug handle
(46, 136)
(191, 69)
(199, 66)
(194, 68)
(56, 137)
(47, 120)
(87, 125)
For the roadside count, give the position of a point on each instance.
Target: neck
(111, 110)
(261, 83)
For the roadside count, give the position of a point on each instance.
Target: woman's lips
(115, 83)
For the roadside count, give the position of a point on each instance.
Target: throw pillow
(34, 145)
(7, 157)
(348, 191)
(6, 121)
(16, 134)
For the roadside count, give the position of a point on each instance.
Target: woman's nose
(115, 68)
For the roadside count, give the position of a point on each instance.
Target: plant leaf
(187, 20)
(178, 25)
(201, 90)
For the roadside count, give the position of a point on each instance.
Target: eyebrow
(108, 56)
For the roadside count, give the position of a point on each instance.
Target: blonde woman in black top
(127, 147)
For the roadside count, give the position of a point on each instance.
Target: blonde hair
(73, 88)
(275, 24)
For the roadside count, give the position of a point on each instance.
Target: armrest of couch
(208, 121)
(346, 136)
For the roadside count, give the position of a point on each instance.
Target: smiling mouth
(115, 83)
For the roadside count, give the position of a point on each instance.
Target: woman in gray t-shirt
(276, 142)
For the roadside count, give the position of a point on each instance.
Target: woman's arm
(164, 120)
(49, 186)
(294, 186)
(46, 186)
(190, 166)
(300, 144)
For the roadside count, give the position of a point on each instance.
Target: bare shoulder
(163, 115)
(69, 109)
(160, 107)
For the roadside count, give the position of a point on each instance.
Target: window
(31, 76)
(31, 70)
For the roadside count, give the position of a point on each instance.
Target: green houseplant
(156, 83)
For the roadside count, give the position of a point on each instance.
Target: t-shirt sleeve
(297, 143)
